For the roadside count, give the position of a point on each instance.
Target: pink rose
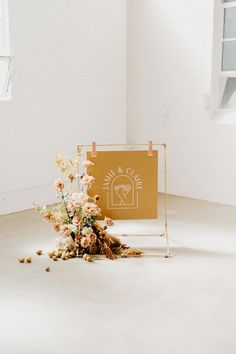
(86, 180)
(87, 163)
(59, 185)
(91, 209)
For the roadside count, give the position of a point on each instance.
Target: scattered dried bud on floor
(131, 252)
(47, 269)
(51, 254)
(87, 258)
(58, 254)
(21, 260)
(29, 260)
(54, 258)
(39, 252)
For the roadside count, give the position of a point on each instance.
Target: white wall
(169, 80)
(68, 87)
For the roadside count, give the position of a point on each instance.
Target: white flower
(87, 180)
(79, 197)
(58, 242)
(87, 163)
(87, 231)
(74, 229)
(75, 197)
(62, 243)
(83, 197)
(66, 242)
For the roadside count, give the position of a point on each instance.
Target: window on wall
(228, 57)
(5, 58)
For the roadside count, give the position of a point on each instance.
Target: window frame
(7, 85)
(225, 73)
(219, 114)
(5, 51)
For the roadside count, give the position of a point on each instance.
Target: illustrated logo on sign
(122, 187)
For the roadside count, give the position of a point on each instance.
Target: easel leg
(167, 247)
(165, 203)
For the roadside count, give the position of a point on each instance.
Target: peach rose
(76, 221)
(56, 227)
(108, 221)
(59, 185)
(65, 230)
(85, 242)
(72, 206)
(86, 180)
(72, 246)
(93, 238)
(91, 209)
(83, 197)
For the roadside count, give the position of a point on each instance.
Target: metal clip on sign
(150, 148)
(94, 150)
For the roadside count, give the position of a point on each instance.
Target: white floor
(182, 305)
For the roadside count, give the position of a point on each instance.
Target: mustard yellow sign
(127, 183)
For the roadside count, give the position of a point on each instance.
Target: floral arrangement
(75, 217)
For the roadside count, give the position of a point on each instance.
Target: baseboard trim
(15, 201)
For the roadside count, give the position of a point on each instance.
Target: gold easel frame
(149, 145)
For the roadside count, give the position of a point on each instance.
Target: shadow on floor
(192, 252)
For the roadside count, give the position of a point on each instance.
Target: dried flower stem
(67, 212)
